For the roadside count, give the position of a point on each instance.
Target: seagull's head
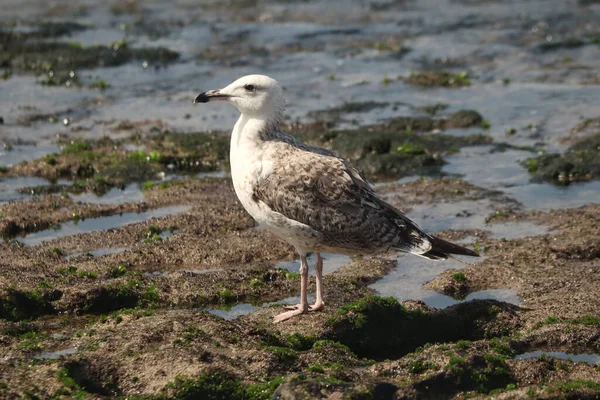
(254, 95)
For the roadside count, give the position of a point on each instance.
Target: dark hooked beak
(211, 95)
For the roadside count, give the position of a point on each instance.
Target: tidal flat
(129, 269)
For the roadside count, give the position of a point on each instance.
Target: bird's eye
(250, 88)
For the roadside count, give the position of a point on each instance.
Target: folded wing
(327, 194)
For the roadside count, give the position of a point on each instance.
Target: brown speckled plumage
(316, 187)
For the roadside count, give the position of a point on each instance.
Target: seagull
(310, 196)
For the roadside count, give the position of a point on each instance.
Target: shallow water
(131, 194)
(97, 224)
(10, 187)
(55, 355)
(234, 312)
(213, 174)
(501, 171)
(593, 359)
(100, 252)
(406, 280)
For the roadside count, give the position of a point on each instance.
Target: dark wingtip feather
(442, 249)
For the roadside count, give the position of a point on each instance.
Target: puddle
(194, 272)
(168, 233)
(406, 280)
(100, 252)
(244, 309)
(26, 153)
(466, 215)
(60, 336)
(134, 147)
(161, 274)
(331, 263)
(593, 359)
(131, 194)
(502, 171)
(544, 196)
(293, 300)
(213, 174)
(10, 188)
(235, 311)
(55, 355)
(97, 224)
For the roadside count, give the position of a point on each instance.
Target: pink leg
(301, 308)
(319, 304)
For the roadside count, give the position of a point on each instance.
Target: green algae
(58, 57)
(439, 78)
(99, 165)
(394, 149)
(459, 277)
(356, 326)
(300, 342)
(378, 328)
(17, 305)
(124, 295)
(581, 162)
(215, 384)
(433, 109)
(483, 373)
(591, 320)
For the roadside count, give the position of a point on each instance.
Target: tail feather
(442, 249)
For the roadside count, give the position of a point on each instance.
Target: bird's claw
(297, 310)
(314, 307)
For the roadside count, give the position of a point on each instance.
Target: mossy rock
(570, 43)
(128, 170)
(42, 57)
(394, 150)
(464, 119)
(439, 78)
(85, 377)
(217, 384)
(581, 162)
(482, 373)
(376, 327)
(17, 305)
(380, 328)
(107, 299)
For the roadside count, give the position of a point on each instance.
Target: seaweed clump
(581, 162)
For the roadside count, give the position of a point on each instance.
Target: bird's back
(317, 188)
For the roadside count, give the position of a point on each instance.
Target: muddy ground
(129, 269)
(137, 322)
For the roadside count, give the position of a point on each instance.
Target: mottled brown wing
(327, 194)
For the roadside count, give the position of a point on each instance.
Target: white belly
(245, 172)
(249, 164)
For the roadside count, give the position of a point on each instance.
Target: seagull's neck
(253, 131)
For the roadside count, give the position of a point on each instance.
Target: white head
(254, 95)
